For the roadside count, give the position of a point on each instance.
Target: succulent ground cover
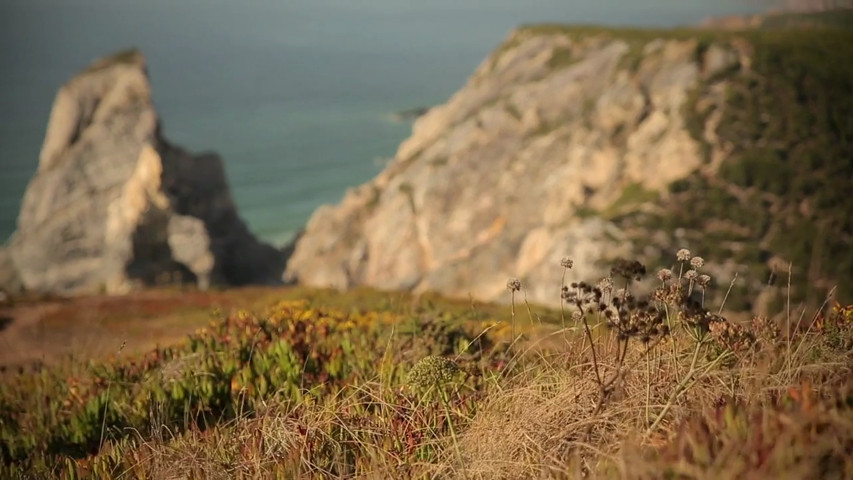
(635, 377)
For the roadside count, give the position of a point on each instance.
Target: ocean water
(295, 95)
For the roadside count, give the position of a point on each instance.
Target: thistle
(432, 371)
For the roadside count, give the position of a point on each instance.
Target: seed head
(691, 275)
(513, 284)
(734, 336)
(606, 284)
(767, 329)
(704, 280)
(683, 255)
(432, 371)
(664, 274)
(697, 262)
(566, 262)
(628, 269)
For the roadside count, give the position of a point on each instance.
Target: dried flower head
(566, 262)
(432, 371)
(513, 284)
(664, 274)
(731, 335)
(672, 294)
(633, 318)
(696, 319)
(766, 329)
(628, 269)
(704, 280)
(582, 295)
(605, 284)
(697, 262)
(683, 255)
(691, 275)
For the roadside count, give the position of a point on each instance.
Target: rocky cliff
(113, 205)
(596, 144)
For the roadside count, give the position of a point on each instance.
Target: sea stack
(114, 206)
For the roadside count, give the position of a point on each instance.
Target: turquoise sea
(295, 95)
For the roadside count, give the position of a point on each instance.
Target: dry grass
(656, 388)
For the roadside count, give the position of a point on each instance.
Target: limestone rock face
(497, 182)
(113, 205)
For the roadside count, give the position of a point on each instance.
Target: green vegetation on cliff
(791, 128)
(788, 121)
(783, 191)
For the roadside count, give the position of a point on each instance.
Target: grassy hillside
(369, 385)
